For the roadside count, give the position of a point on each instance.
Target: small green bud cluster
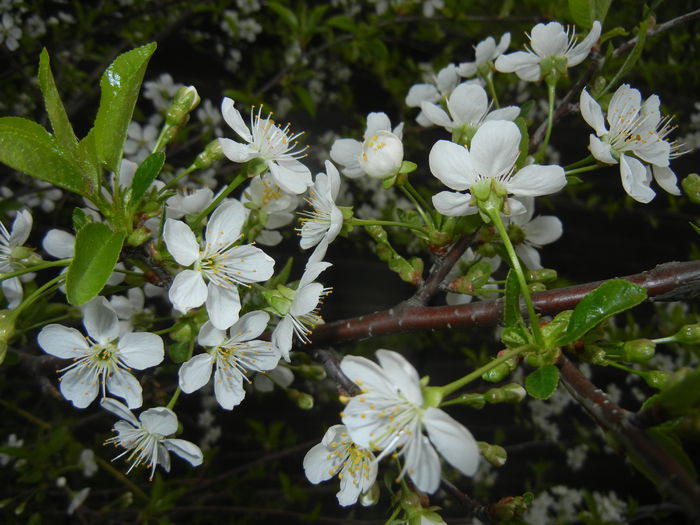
(501, 371)
(494, 454)
(410, 271)
(212, 153)
(186, 99)
(510, 393)
(510, 507)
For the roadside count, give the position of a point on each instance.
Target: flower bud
(689, 334)
(638, 351)
(510, 393)
(315, 372)
(280, 299)
(656, 378)
(186, 99)
(212, 152)
(543, 275)
(494, 454)
(138, 236)
(302, 399)
(473, 400)
(382, 155)
(536, 287)
(691, 187)
(7, 331)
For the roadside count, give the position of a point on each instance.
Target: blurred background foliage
(324, 66)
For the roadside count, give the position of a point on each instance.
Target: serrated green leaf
(145, 174)
(582, 12)
(610, 298)
(542, 383)
(29, 148)
(511, 309)
(120, 86)
(62, 128)
(97, 251)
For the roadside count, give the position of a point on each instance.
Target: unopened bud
(543, 275)
(212, 152)
(473, 400)
(510, 393)
(638, 351)
(382, 155)
(536, 287)
(138, 236)
(315, 372)
(302, 399)
(500, 372)
(494, 454)
(186, 99)
(689, 334)
(7, 331)
(691, 187)
(183, 333)
(656, 378)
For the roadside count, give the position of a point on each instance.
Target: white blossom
(12, 252)
(321, 226)
(336, 454)
(103, 359)
(536, 232)
(275, 207)
(390, 414)
(440, 87)
(485, 52)
(145, 439)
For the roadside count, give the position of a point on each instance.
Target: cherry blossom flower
(145, 439)
(102, 360)
(531, 234)
(12, 252)
(491, 157)
(390, 414)
(485, 52)
(274, 206)
(336, 454)
(379, 156)
(322, 225)
(298, 309)
(234, 356)
(219, 261)
(267, 141)
(635, 140)
(551, 46)
(468, 108)
(441, 86)
(188, 202)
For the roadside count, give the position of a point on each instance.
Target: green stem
(121, 478)
(476, 374)
(38, 293)
(177, 179)
(369, 222)
(35, 268)
(492, 90)
(495, 216)
(45, 322)
(582, 170)
(416, 202)
(173, 399)
(26, 415)
(551, 90)
(580, 163)
(225, 193)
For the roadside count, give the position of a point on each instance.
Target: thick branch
(672, 281)
(670, 477)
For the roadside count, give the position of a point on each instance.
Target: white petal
(188, 290)
(422, 464)
(186, 450)
(454, 442)
(525, 65)
(350, 489)
(402, 373)
(655, 152)
(282, 336)
(601, 150)
(159, 420)
(506, 113)
(224, 226)
(436, 115)
(251, 264)
(123, 384)
(317, 465)
(454, 204)
(63, 342)
(195, 373)
(234, 119)
(13, 292)
(548, 39)
(101, 320)
(346, 152)
(250, 326)
(666, 179)
(452, 165)
(495, 148)
(312, 271)
(583, 48)
(468, 103)
(592, 113)
(237, 152)
(420, 92)
(291, 175)
(544, 229)
(119, 409)
(21, 227)
(535, 180)
(181, 242)
(529, 255)
(78, 388)
(228, 389)
(59, 244)
(634, 176)
(209, 335)
(141, 350)
(223, 305)
(368, 375)
(376, 122)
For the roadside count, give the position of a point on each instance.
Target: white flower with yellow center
(379, 156)
(322, 225)
(390, 414)
(551, 46)
(12, 252)
(274, 206)
(636, 140)
(265, 140)
(223, 264)
(490, 161)
(145, 439)
(336, 454)
(104, 358)
(234, 356)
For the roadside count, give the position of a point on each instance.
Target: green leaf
(696, 228)
(582, 12)
(342, 22)
(524, 145)
(286, 14)
(79, 219)
(54, 107)
(146, 174)
(120, 86)
(610, 298)
(97, 250)
(29, 148)
(306, 99)
(511, 310)
(89, 164)
(669, 441)
(542, 383)
(600, 9)
(682, 397)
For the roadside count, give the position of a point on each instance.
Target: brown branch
(669, 476)
(672, 281)
(330, 362)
